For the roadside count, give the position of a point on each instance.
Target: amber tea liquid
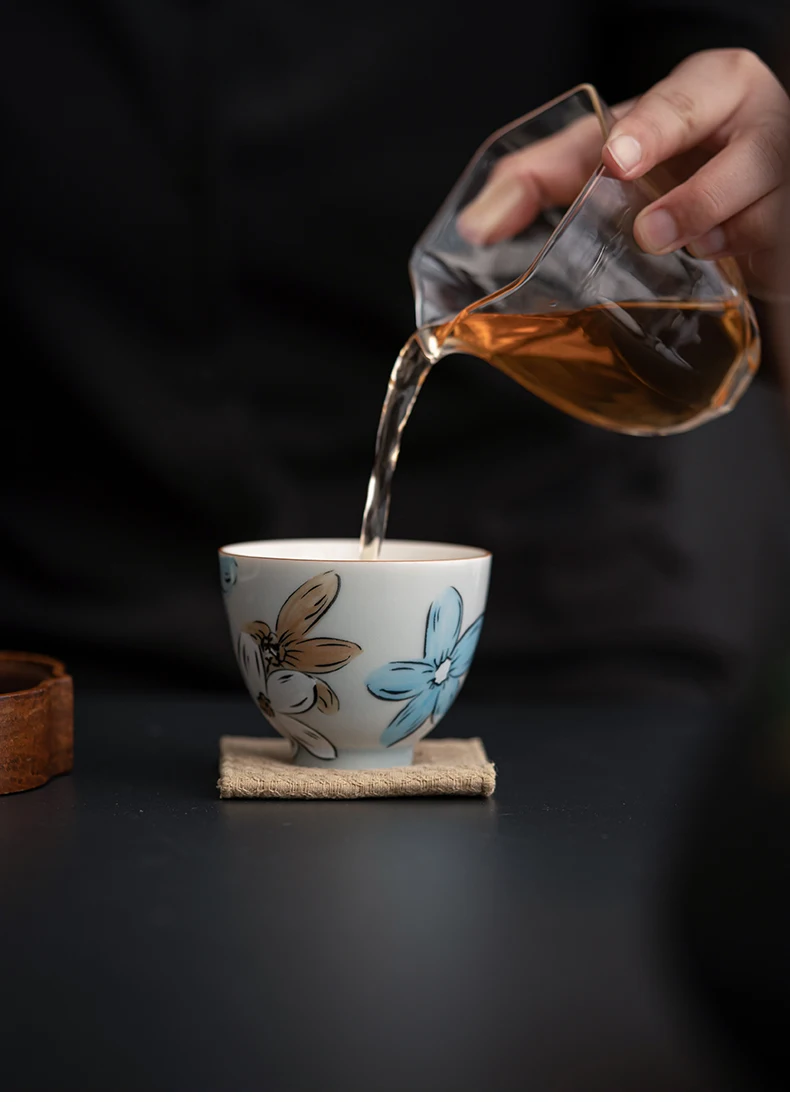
(638, 368)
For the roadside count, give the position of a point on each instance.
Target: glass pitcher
(573, 310)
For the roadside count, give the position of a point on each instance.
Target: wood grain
(36, 720)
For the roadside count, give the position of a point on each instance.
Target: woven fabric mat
(259, 768)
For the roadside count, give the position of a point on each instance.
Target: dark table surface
(155, 937)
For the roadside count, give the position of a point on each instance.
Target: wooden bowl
(36, 720)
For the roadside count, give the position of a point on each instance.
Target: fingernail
(656, 231)
(710, 244)
(626, 151)
(484, 216)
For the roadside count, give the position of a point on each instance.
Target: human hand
(722, 120)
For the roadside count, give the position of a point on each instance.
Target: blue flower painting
(430, 684)
(228, 573)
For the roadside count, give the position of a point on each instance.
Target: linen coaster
(259, 768)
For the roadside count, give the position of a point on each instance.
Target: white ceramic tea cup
(354, 661)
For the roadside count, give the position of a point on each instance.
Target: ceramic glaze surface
(354, 661)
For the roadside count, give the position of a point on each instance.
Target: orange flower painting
(285, 666)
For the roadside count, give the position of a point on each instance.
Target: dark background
(209, 209)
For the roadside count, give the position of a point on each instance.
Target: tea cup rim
(346, 551)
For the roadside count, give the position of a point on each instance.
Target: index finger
(549, 173)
